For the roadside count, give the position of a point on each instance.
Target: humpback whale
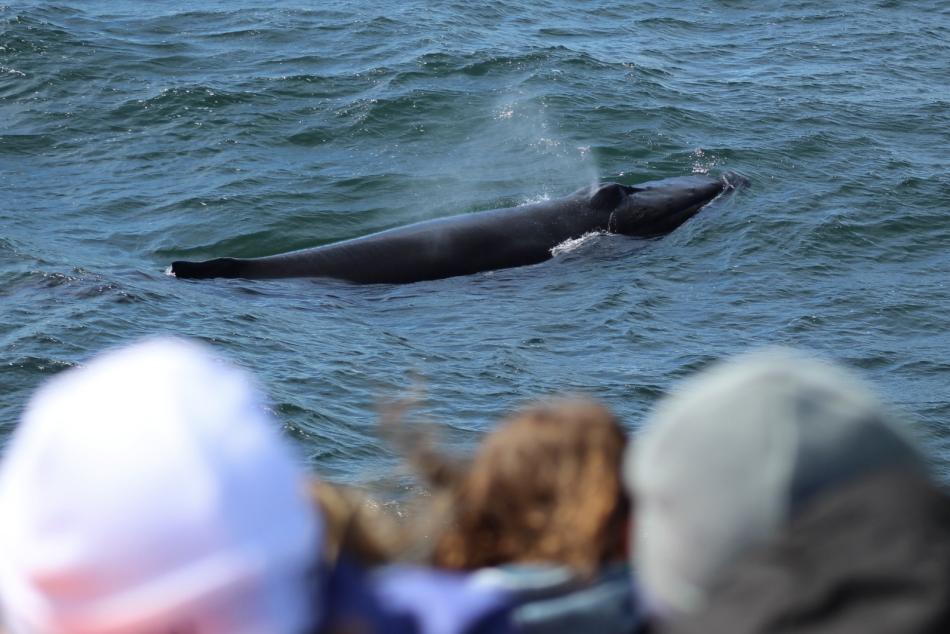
(487, 240)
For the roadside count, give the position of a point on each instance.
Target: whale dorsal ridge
(609, 195)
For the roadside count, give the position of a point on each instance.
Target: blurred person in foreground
(150, 492)
(775, 494)
(542, 513)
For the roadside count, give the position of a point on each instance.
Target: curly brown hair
(544, 487)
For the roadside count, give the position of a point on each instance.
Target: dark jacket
(551, 599)
(872, 557)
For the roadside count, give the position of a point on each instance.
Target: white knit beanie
(150, 492)
(723, 462)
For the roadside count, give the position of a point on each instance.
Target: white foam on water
(540, 198)
(572, 244)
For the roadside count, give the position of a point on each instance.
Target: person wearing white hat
(151, 492)
(727, 460)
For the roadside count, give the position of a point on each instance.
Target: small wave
(37, 365)
(573, 244)
(172, 101)
(26, 144)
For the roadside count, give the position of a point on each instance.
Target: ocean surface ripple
(132, 134)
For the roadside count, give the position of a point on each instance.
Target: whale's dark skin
(486, 240)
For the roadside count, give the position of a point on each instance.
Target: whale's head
(655, 208)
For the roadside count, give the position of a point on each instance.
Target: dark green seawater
(134, 133)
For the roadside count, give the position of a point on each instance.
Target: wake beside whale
(487, 240)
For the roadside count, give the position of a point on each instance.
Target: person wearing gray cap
(774, 493)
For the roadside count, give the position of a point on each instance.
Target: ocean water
(133, 134)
